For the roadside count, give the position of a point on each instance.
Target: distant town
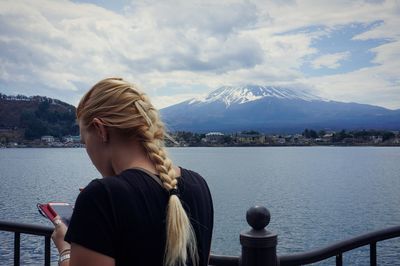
(308, 137)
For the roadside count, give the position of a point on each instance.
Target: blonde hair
(121, 105)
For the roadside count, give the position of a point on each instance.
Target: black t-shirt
(123, 216)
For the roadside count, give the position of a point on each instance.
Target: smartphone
(52, 209)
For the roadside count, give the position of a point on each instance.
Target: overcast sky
(176, 50)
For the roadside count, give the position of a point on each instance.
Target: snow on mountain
(239, 95)
(273, 109)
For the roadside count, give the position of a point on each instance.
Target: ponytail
(181, 243)
(181, 238)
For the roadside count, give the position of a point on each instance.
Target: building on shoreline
(307, 138)
(214, 137)
(47, 139)
(244, 138)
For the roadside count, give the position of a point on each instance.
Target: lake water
(316, 195)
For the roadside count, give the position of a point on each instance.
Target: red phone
(52, 209)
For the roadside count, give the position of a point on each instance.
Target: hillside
(36, 116)
(274, 110)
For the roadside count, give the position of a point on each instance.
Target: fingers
(57, 220)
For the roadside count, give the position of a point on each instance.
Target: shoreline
(216, 146)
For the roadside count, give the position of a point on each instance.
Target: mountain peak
(274, 109)
(238, 95)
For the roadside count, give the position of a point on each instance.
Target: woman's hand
(58, 235)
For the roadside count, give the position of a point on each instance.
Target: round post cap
(258, 217)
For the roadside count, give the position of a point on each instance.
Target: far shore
(212, 146)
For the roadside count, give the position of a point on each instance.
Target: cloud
(378, 85)
(220, 18)
(330, 60)
(63, 47)
(164, 101)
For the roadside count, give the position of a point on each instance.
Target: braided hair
(123, 106)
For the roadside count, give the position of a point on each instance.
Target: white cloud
(65, 47)
(330, 60)
(164, 101)
(377, 85)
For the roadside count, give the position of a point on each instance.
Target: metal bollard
(258, 244)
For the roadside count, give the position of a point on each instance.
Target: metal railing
(339, 248)
(258, 244)
(30, 229)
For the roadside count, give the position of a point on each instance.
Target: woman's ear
(101, 129)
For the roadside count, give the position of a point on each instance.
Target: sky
(176, 50)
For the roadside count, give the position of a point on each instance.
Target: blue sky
(356, 54)
(175, 50)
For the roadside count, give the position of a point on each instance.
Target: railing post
(372, 254)
(258, 244)
(47, 248)
(17, 246)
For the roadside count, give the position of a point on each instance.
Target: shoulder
(188, 172)
(190, 175)
(110, 183)
(100, 190)
(91, 195)
(94, 188)
(193, 181)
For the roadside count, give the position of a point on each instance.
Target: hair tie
(174, 191)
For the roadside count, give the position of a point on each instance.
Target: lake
(316, 195)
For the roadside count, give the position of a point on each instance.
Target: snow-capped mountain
(274, 109)
(239, 95)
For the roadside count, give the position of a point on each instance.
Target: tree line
(44, 121)
(343, 134)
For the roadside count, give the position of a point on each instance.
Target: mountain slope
(37, 116)
(273, 109)
(240, 95)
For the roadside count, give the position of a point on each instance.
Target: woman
(145, 210)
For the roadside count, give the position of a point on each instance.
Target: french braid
(177, 242)
(121, 105)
